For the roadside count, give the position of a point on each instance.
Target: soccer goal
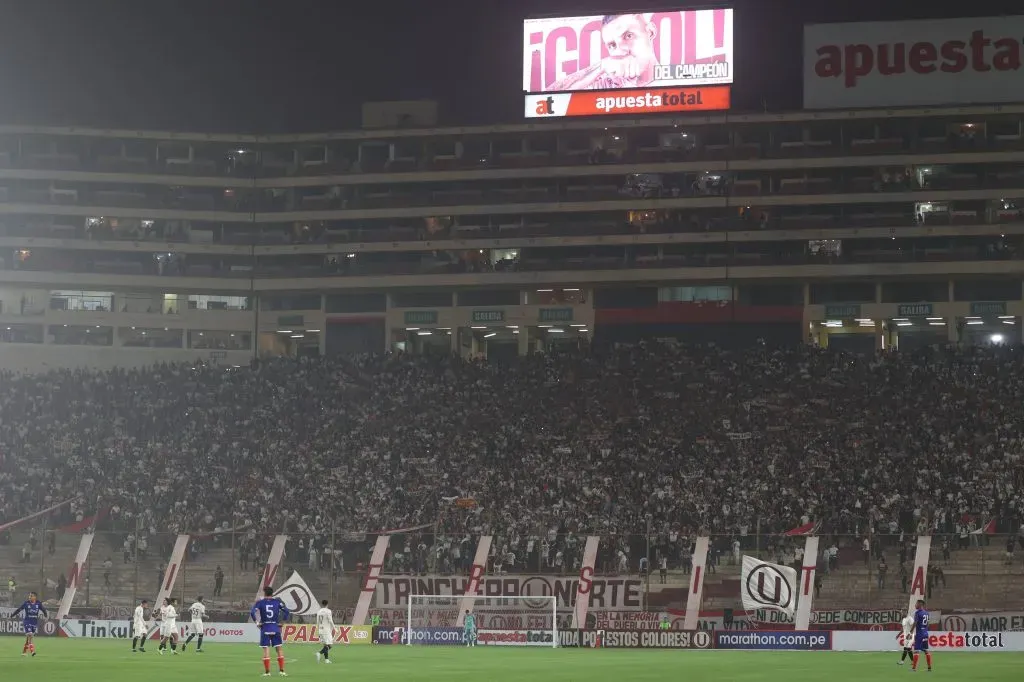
(500, 621)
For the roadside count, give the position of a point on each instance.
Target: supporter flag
(811, 528)
(764, 585)
(297, 596)
(988, 529)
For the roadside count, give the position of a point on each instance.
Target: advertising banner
(122, 629)
(429, 636)
(628, 51)
(937, 641)
(912, 63)
(392, 591)
(775, 640)
(515, 637)
(628, 102)
(343, 634)
(15, 626)
(632, 639)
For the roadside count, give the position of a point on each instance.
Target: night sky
(306, 65)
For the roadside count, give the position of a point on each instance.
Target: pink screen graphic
(637, 50)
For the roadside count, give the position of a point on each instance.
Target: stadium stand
(644, 445)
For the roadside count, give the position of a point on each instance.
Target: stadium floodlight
(505, 621)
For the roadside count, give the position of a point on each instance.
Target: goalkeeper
(469, 632)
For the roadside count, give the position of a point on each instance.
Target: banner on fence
(992, 621)
(621, 593)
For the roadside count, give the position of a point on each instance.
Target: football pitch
(61, 660)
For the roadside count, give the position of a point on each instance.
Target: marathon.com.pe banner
(775, 640)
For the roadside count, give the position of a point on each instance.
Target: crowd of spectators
(656, 437)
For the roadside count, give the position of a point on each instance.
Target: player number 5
(269, 612)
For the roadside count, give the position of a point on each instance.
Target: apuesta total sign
(905, 63)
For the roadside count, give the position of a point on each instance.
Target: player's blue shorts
(270, 638)
(31, 628)
(470, 634)
(920, 644)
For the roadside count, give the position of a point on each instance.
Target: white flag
(765, 585)
(297, 596)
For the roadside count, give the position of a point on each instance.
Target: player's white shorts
(168, 628)
(326, 637)
(195, 628)
(139, 629)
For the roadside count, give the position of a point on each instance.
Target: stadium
(689, 379)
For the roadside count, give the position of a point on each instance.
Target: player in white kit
(907, 627)
(325, 628)
(169, 627)
(195, 629)
(139, 627)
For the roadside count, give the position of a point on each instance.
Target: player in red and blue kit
(32, 607)
(268, 613)
(921, 636)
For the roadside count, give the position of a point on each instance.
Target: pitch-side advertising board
(628, 63)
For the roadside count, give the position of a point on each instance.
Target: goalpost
(500, 621)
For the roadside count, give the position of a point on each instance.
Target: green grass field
(61, 660)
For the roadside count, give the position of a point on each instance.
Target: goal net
(500, 621)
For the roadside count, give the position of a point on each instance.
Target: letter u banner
(273, 564)
(380, 550)
(75, 576)
(579, 615)
(173, 569)
(475, 573)
(696, 592)
(919, 579)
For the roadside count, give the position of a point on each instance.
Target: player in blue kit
(268, 613)
(921, 636)
(32, 607)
